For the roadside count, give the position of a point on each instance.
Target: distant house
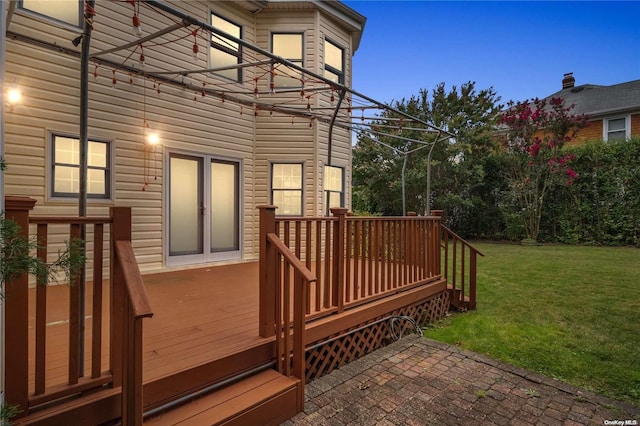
(613, 111)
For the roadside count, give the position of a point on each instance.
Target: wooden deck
(207, 328)
(200, 315)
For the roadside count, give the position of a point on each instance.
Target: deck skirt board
(228, 404)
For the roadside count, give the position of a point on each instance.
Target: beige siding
(204, 125)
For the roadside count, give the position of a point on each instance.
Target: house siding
(187, 122)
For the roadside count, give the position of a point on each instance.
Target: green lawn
(572, 313)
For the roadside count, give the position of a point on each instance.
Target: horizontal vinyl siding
(50, 84)
(206, 125)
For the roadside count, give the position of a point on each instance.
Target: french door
(203, 209)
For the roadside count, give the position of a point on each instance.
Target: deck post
(337, 281)
(16, 317)
(438, 230)
(267, 270)
(120, 230)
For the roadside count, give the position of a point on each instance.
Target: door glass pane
(185, 220)
(224, 206)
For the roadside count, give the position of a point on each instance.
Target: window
(286, 188)
(224, 52)
(289, 47)
(67, 11)
(65, 170)
(616, 128)
(333, 62)
(333, 188)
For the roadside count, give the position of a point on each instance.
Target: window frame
(297, 61)
(213, 44)
(331, 69)
(327, 192)
(273, 190)
(43, 16)
(108, 169)
(627, 127)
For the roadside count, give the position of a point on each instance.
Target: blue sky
(521, 49)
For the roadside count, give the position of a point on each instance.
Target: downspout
(341, 96)
(83, 153)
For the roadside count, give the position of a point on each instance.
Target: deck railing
(290, 311)
(128, 306)
(460, 268)
(355, 259)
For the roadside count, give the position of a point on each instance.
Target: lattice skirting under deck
(329, 354)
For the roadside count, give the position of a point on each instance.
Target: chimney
(568, 81)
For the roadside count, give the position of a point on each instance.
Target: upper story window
(67, 11)
(333, 188)
(616, 128)
(286, 188)
(333, 62)
(224, 52)
(289, 47)
(65, 168)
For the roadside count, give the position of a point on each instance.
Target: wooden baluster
(328, 282)
(41, 315)
(321, 280)
(96, 341)
(75, 331)
(308, 229)
(337, 289)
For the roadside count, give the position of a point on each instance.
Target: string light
(333, 98)
(135, 21)
(204, 93)
(272, 84)
(114, 80)
(141, 60)
(196, 48)
(130, 78)
(95, 72)
(256, 92)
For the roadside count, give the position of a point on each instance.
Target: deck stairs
(263, 398)
(459, 301)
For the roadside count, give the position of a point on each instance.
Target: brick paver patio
(417, 381)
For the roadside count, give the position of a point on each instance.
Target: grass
(568, 312)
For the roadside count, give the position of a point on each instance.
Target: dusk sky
(521, 49)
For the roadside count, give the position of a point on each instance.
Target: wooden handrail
(133, 280)
(49, 220)
(462, 240)
(307, 275)
(289, 333)
(458, 284)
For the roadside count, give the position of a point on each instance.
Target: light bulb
(153, 138)
(137, 29)
(141, 61)
(196, 52)
(14, 96)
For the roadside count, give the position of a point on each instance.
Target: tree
(535, 134)
(457, 163)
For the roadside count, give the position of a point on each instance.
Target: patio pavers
(418, 381)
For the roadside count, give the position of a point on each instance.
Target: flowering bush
(535, 134)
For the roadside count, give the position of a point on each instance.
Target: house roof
(595, 100)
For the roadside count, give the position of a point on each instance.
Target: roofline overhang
(616, 111)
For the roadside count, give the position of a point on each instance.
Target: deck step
(265, 398)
